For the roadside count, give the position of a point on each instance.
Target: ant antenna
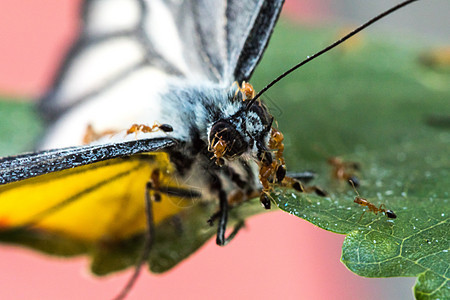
(340, 41)
(354, 188)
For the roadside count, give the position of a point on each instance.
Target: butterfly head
(247, 131)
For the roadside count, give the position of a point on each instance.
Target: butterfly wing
(147, 40)
(101, 199)
(120, 63)
(24, 166)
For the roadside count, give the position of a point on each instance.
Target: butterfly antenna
(148, 241)
(338, 42)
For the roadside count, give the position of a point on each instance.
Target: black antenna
(309, 58)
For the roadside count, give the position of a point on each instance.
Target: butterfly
(209, 136)
(178, 125)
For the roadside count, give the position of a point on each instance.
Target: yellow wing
(103, 201)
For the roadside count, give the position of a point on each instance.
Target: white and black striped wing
(125, 44)
(29, 165)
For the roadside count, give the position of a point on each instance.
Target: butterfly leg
(154, 185)
(242, 194)
(148, 241)
(234, 199)
(223, 219)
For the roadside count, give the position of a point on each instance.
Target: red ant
(364, 202)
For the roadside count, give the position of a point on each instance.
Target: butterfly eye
(226, 141)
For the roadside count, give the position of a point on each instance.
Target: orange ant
(275, 172)
(219, 149)
(343, 170)
(145, 129)
(276, 169)
(364, 202)
(91, 135)
(247, 90)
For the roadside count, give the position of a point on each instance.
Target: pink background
(276, 256)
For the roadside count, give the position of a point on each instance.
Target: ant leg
(360, 218)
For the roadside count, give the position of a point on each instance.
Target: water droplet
(442, 214)
(374, 241)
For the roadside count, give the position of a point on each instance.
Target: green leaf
(378, 106)
(19, 126)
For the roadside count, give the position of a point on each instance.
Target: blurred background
(276, 256)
